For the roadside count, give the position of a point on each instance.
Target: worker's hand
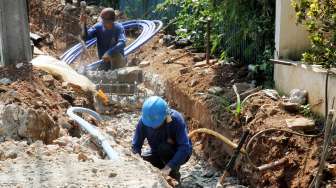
(83, 18)
(106, 58)
(166, 170)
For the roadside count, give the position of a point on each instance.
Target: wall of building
(309, 77)
(291, 40)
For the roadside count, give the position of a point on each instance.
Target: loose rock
(5, 81)
(19, 122)
(184, 70)
(290, 107)
(82, 157)
(298, 96)
(144, 64)
(273, 94)
(194, 82)
(215, 90)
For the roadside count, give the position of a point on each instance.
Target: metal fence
(241, 49)
(139, 8)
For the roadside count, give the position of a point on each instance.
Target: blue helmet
(154, 111)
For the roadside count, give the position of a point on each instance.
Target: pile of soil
(301, 153)
(57, 24)
(41, 147)
(40, 100)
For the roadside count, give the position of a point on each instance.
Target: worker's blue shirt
(176, 130)
(108, 40)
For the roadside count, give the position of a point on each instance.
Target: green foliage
(242, 29)
(305, 110)
(319, 17)
(238, 103)
(109, 3)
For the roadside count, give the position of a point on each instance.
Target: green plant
(319, 17)
(238, 103)
(305, 110)
(242, 29)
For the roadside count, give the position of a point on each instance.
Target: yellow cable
(217, 135)
(102, 97)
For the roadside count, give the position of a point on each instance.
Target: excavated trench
(128, 89)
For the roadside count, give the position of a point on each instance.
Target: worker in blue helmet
(111, 39)
(167, 134)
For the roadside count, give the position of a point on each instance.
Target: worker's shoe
(175, 174)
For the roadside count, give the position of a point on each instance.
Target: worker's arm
(121, 41)
(138, 139)
(184, 148)
(90, 33)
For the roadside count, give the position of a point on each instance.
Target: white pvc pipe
(91, 129)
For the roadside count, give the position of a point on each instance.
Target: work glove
(166, 170)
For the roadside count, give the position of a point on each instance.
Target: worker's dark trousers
(117, 61)
(159, 159)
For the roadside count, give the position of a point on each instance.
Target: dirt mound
(301, 153)
(34, 106)
(57, 24)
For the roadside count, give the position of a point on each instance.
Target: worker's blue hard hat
(154, 111)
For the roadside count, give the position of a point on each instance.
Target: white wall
(308, 77)
(291, 40)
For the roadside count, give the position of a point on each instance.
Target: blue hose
(149, 29)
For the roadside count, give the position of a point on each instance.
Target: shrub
(319, 17)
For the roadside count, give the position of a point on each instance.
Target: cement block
(300, 123)
(123, 75)
(130, 75)
(126, 89)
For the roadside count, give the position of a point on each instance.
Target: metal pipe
(91, 129)
(149, 29)
(208, 41)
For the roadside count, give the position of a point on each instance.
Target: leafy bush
(319, 17)
(242, 29)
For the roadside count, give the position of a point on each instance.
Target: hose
(149, 29)
(217, 135)
(112, 154)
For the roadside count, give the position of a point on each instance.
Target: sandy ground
(39, 165)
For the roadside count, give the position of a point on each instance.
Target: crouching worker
(167, 136)
(111, 39)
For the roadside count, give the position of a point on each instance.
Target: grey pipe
(91, 129)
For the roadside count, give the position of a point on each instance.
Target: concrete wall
(290, 39)
(14, 32)
(309, 77)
